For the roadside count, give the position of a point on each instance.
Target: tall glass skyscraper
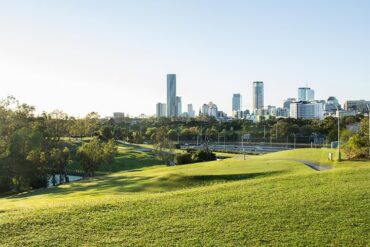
(258, 95)
(178, 106)
(306, 94)
(237, 102)
(171, 96)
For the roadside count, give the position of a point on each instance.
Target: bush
(182, 159)
(357, 148)
(202, 155)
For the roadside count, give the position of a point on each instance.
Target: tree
(357, 147)
(110, 150)
(90, 156)
(163, 145)
(94, 153)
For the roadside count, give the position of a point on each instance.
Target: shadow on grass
(170, 182)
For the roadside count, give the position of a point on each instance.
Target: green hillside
(265, 200)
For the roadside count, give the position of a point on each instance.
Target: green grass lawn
(264, 200)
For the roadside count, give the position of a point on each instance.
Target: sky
(107, 56)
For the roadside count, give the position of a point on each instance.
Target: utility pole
(276, 133)
(243, 145)
(368, 109)
(339, 154)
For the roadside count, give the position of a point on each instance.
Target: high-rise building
(191, 112)
(359, 106)
(205, 110)
(178, 106)
(213, 109)
(287, 103)
(306, 94)
(258, 95)
(118, 117)
(332, 105)
(306, 110)
(237, 102)
(171, 95)
(161, 110)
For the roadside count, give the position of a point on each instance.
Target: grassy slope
(261, 201)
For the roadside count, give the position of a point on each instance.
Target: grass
(264, 200)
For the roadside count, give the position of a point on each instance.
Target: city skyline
(81, 57)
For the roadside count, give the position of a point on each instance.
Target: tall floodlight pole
(368, 109)
(339, 154)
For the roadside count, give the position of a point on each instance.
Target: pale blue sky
(108, 56)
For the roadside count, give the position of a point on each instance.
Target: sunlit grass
(265, 200)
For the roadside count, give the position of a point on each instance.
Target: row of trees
(190, 130)
(34, 149)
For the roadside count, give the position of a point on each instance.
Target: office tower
(306, 94)
(171, 95)
(212, 109)
(359, 106)
(118, 117)
(161, 110)
(191, 112)
(178, 106)
(258, 95)
(306, 110)
(237, 102)
(287, 102)
(205, 110)
(332, 105)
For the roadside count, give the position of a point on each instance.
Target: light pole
(294, 140)
(368, 109)
(243, 145)
(339, 154)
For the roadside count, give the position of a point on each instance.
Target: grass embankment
(261, 201)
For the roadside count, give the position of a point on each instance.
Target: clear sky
(81, 56)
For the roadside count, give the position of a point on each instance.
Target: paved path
(313, 165)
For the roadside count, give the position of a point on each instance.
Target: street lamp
(339, 154)
(368, 109)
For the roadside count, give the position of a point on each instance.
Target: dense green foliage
(264, 200)
(33, 149)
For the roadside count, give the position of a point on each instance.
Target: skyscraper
(171, 95)
(306, 94)
(191, 112)
(258, 95)
(161, 110)
(178, 106)
(237, 102)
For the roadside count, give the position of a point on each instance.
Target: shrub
(182, 159)
(202, 155)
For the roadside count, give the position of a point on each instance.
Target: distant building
(258, 95)
(205, 110)
(213, 109)
(171, 95)
(271, 110)
(161, 110)
(241, 114)
(191, 112)
(237, 102)
(306, 110)
(287, 102)
(282, 112)
(332, 105)
(178, 106)
(210, 109)
(306, 94)
(359, 106)
(118, 117)
(344, 113)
